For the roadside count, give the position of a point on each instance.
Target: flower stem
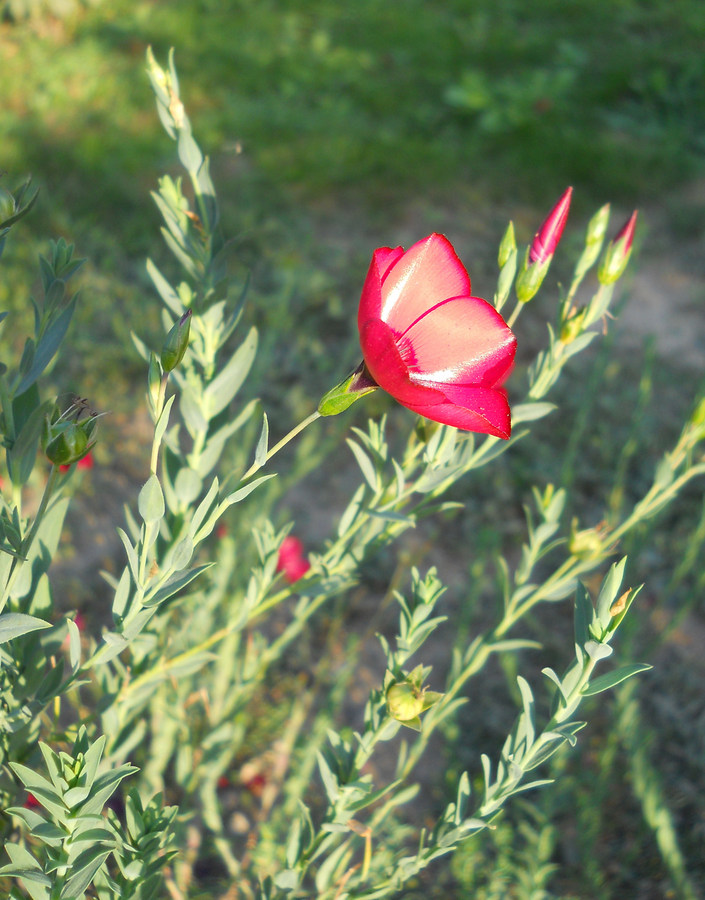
(282, 443)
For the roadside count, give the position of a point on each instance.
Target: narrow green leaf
(611, 679)
(174, 584)
(262, 443)
(231, 378)
(151, 500)
(14, 625)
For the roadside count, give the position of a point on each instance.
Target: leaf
(173, 585)
(189, 152)
(365, 463)
(529, 412)
(611, 679)
(85, 867)
(48, 345)
(74, 645)
(231, 378)
(13, 625)
(262, 443)
(151, 500)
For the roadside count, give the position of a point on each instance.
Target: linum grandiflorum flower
(439, 351)
(540, 253)
(291, 560)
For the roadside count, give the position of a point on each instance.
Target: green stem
(160, 409)
(28, 540)
(282, 443)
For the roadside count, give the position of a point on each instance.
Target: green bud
(530, 278)
(176, 343)
(343, 395)
(507, 246)
(597, 226)
(7, 205)
(404, 702)
(68, 442)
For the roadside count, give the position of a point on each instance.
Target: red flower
(31, 802)
(549, 234)
(436, 349)
(85, 462)
(291, 560)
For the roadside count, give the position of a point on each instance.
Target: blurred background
(337, 128)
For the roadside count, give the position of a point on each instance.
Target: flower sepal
(349, 391)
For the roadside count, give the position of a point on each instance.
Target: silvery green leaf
(163, 420)
(14, 625)
(596, 651)
(187, 486)
(245, 491)
(365, 463)
(165, 290)
(132, 560)
(214, 446)
(151, 500)
(74, 645)
(231, 378)
(189, 152)
(611, 679)
(262, 443)
(122, 595)
(174, 584)
(84, 869)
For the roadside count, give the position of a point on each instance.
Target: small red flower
(86, 462)
(436, 349)
(221, 531)
(291, 560)
(31, 802)
(549, 234)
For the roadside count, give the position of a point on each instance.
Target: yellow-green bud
(404, 702)
(7, 205)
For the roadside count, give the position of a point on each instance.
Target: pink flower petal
(371, 299)
(428, 273)
(387, 367)
(460, 340)
(472, 408)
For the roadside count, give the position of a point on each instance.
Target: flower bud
(530, 278)
(67, 445)
(507, 246)
(343, 395)
(547, 237)
(404, 702)
(616, 257)
(597, 226)
(176, 343)
(7, 205)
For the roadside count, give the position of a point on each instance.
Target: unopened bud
(547, 237)
(343, 395)
(530, 278)
(404, 702)
(176, 343)
(67, 443)
(616, 257)
(7, 205)
(507, 246)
